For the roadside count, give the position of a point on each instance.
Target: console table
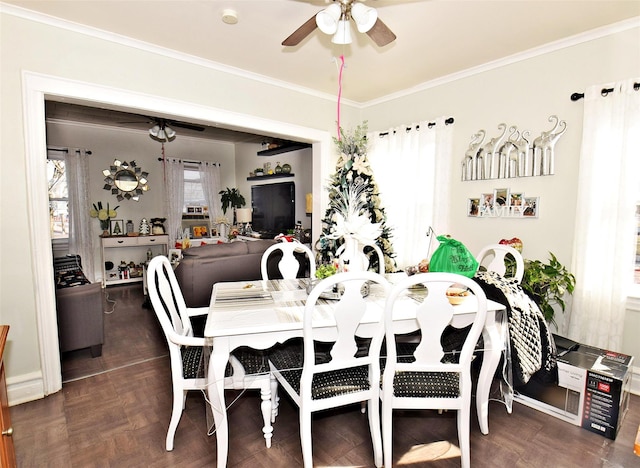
(129, 248)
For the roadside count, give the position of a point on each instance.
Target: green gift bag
(452, 256)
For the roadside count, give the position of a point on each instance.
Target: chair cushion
(288, 359)
(254, 361)
(426, 384)
(192, 367)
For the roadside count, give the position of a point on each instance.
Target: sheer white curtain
(210, 179)
(605, 231)
(174, 193)
(412, 166)
(80, 236)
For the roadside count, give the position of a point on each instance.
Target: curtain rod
(66, 150)
(604, 92)
(448, 121)
(191, 162)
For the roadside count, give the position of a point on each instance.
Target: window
(58, 199)
(193, 192)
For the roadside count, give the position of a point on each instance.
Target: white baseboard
(25, 388)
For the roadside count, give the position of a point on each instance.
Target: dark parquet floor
(113, 411)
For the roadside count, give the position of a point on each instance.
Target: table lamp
(243, 217)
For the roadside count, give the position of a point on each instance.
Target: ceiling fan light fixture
(343, 34)
(162, 132)
(365, 17)
(327, 19)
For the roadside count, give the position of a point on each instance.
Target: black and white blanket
(533, 350)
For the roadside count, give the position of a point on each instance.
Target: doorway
(37, 88)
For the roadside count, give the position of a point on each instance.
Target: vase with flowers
(103, 215)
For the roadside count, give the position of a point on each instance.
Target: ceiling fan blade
(300, 33)
(381, 34)
(197, 128)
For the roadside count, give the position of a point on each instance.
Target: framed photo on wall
(116, 227)
(501, 197)
(516, 199)
(473, 207)
(531, 207)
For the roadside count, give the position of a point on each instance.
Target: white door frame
(38, 87)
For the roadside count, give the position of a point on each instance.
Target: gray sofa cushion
(202, 267)
(217, 250)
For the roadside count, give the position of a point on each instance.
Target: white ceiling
(435, 38)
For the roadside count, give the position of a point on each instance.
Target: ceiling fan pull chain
(340, 91)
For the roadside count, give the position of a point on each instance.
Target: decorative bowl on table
(457, 295)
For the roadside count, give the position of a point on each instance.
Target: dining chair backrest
(349, 371)
(289, 266)
(185, 350)
(367, 256)
(167, 300)
(246, 368)
(493, 258)
(346, 315)
(422, 375)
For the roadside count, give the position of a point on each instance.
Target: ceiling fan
(335, 20)
(162, 128)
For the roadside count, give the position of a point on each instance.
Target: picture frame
(175, 255)
(116, 227)
(516, 199)
(486, 204)
(473, 207)
(501, 197)
(531, 207)
(199, 231)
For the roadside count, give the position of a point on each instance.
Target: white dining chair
(344, 374)
(367, 256)
(420, 375)
(247, 368)
(288, 265)
(493, 258)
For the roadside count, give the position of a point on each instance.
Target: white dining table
(260, 314)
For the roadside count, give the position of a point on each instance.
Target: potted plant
(546, 284)
(231, 198)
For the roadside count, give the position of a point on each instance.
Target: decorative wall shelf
(270, 176)
(284, 149)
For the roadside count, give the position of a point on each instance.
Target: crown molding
(145, 46)
(520, 56)
(163, 51)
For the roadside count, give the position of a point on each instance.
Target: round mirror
(126, 180)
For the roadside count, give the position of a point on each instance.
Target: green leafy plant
(324, 271)
(231, 198)
(547, 283)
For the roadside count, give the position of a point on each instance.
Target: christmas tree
(354, 200)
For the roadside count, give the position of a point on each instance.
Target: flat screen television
(274, 208)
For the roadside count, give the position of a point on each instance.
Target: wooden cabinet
(116, 249)
(7, 452)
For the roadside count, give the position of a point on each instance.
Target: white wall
(108, 143)
(525, 93)
(300, 161)
(148, 77)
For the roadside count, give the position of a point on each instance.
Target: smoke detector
(229, 16)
